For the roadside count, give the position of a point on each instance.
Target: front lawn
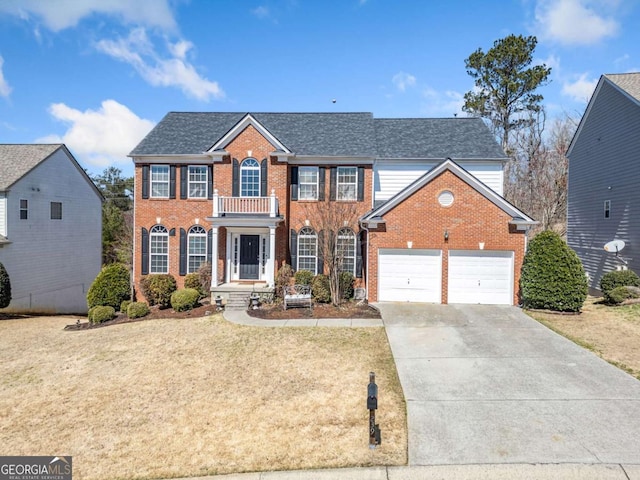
(196, 396)
(612, 332)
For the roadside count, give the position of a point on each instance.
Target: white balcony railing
(245, 205)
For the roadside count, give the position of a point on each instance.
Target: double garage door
(474, 276)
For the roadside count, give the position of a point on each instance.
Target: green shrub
(620, 294)
(303, 277)
(283, 278)
(320, 289)
(552, 275)
(157, 289)
(111, 287)
(102, 313)
(90, 314)
(192, 280)
(617, 278)
(5, 287)
(124, 305)
(346, 285)
(184, 299)
(137, 310)
(204, 272)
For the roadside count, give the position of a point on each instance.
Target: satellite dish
(614, 246)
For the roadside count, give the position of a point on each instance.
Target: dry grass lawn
(611, 332)
(167, 398)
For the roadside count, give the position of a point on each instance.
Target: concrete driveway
(488, 384)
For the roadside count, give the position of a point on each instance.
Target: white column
(214, 257)
(273, 202)
(271, 263)
(216, 204)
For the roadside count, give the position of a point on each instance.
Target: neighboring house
(604, 177)
(235, 189)
(50, 228)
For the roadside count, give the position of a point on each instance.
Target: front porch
(236, 294)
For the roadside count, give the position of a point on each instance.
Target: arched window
(159, 249)
(196, 248)
(250, 178)
(346, 250)
(307, 250)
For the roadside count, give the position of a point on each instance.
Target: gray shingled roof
(329, 134)
(18, 160)
(630, 82)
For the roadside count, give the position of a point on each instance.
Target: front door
(249, 257)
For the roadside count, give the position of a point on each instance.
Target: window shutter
(210, 246)
(184, 184)
(263, 178)
(333, 179)
(235, 180)
(359, 255)
(294, 183)
(294, 250)
(172, 232)
(145, 181)
(210, 183)
(321, 174)
(320, 244)
(183, 252)
(172, 181)
(145, 251)
(360, 184)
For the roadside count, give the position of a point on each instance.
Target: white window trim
(244, 167)
(351, 236)
(316, 170)
(25, 209)
(308, 232)
(196, 232)
(153, 182)
(354, 183)
(158, 231)
(202, 183)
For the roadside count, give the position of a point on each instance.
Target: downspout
(366, 268)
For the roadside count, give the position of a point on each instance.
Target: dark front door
(249, 257)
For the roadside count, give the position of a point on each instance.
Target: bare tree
(336, 226)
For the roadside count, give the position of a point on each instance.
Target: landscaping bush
(620, 294)
(102, 313)
(617, 278)
(184, 299)
(552, 276)
(111, 287)
(124, 305)
(5, 287)
(283, 278)
(158, 288)
(137, 310)
(346, 285)
(192, 280)
(303, 277)
(320, 289)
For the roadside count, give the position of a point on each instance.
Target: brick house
(246, 192)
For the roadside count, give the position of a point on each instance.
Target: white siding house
(51, 221)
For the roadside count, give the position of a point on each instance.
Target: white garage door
(480, 277)
(408, 275)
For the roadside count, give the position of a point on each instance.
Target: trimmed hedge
(192, 280)
(552, 275)
(620, 294)
(5, 287)
(303, 277)
(157, 289)
(320, 289)
(184, 299)
(124, 305)
(615, 279)
(111, 287)
(101, 313)
(137, 310)
(346, 285)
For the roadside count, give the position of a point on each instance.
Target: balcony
(245, 206)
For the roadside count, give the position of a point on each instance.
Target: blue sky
(98, 74)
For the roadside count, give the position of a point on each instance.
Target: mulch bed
(319, 310)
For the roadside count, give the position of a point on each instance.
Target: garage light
(446, 235)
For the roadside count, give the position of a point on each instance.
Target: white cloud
(100, 137)
(60, 14)
(575, 22)
(138, 51)
(5, 89)
(261, 12)
(441, 104)
(581, 89)
(403, 80)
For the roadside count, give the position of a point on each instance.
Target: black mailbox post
(372, 406)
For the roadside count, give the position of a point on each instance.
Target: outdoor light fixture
(446, 235)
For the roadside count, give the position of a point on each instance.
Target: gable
(16, 160)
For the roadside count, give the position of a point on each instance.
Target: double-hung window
(160, 181)
(159, 250)
(197, 248)
(346, 250)
(198, 181)
(307, 250)
(347, 183)
(24, 209)
(56, 210)
(308, 183)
